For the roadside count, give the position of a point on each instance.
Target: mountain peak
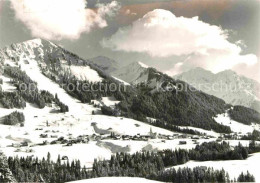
(104, 63)
(143, 65)
(227, 72)
(197, 73)
(37, 42)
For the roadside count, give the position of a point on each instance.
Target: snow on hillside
(83, 73)
(115, 180)
(43, 83)
(107, 101)
(233, 167)
(78, 121)
(208, 132)
(234, 125)
(86, 153)
(120, 80)
(143, 65)
(110, 101)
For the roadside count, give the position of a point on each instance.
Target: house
(170, 137)
(125, 137)
(195, 137)
(23, 144)
(117, 137)
(16, 145)
(43, 135)
(60, 138)
(183, 136)
(145, 137)
(64, 158)
(29, 150)
(69, 144)
(64, 141)
(182, 142)
(45, 142)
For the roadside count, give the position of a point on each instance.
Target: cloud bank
(61, 19)
(160, 33)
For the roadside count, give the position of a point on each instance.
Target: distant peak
(37, 42)
(143, 65)
(227, 72)
(199, 69)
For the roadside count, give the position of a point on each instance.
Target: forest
(244, 115)
(147, 164)
(27, 91)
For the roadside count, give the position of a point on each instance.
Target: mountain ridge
(187, 107)
(233, 88)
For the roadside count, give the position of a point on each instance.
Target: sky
(172, 36)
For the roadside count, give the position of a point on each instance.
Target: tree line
(244, 115)
(27, 91)
(145, 164)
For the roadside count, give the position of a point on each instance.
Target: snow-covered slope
(235, 126)
(233, 167)
(227, 85)
(29, 56)
(48, 55)
(36, 55)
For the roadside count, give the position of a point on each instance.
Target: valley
(86, 134)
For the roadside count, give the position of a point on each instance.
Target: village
(51, 137)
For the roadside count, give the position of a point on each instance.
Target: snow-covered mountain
(227, 85)
(104, 63)
(49, 57)
(135, 72)
(86, 127)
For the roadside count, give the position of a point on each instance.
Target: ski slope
(233, 167)
(236, 126)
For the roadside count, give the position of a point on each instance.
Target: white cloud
(160, 33)
(109, 9)
(60, 19)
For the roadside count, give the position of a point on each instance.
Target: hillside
(104, 63)
(92, 126)
(156, 92)
(133, 73)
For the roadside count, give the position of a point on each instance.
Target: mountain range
(156, 96)
(228, 85)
